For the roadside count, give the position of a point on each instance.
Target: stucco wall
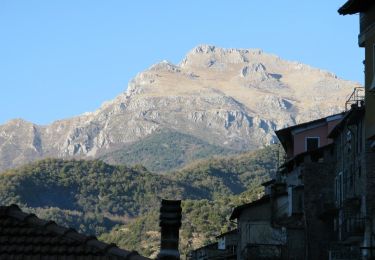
(322, 132)
(299, 139)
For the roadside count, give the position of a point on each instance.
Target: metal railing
(352, 227)
(356, 98)
(342, 252)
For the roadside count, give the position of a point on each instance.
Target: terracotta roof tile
(25, 236)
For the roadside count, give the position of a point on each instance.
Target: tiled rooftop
(25, 236)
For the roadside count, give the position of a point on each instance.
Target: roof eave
(355, 6)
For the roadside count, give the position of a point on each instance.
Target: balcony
(342, 252)
(352, 229)
(357, 98)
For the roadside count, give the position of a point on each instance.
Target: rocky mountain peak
(209, 56)
(255, 71)
(231, 98)
(165, 66)
(204, 48)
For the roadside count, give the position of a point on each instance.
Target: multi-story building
(227, 244)
(308, 173)
(350, 185)
(257, 237)
(366, 39)
(317, 207)
(225, 248)
(285, 223)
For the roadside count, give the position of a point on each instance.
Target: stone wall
(318, 189)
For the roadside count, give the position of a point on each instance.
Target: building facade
(225, 248)
(366, 40)
(308, 173)
(258, 238)
(349, 185)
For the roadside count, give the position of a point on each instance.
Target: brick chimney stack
(170, 223)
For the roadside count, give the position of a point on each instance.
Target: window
(348, 136)
(348, 141)
(295, 201)
(312, 143)
(359, 137)
(351, 178)
(339, 189)
(372, 86)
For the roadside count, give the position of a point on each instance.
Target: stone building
(318, 204)
(350, 185)
(206, 252)
(290, 221)
(257, 237)
(308, 174)
(366, 40)
(227, 243)
(225, 248)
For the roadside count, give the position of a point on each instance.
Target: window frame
(311, 137)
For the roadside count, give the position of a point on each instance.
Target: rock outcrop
(228, 97)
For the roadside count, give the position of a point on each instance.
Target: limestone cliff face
(229, 97)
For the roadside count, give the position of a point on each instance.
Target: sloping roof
(301, 155)
(25, 236)
(265, 199)
(355, 6)
(237, 210)
(209, 246)
(285, 134)
(267, 183)
(234, 231)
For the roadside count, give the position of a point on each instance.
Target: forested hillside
(95, 197)
(202, 221)
(165, 151)
(226, 183)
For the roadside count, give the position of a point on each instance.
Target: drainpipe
(170, 223)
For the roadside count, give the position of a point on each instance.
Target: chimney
(170, 223)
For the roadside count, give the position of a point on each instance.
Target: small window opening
(312, 143)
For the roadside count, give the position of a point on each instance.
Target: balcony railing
(352, 227)
(342, 252)
(356, 98)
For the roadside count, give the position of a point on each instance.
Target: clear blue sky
(62, 58)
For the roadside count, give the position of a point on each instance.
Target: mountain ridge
(233, 98)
